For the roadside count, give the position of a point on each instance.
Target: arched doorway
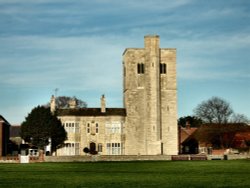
(92, 148)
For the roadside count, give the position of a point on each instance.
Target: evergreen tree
(192, 120)
(40, 126)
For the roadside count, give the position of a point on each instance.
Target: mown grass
(128, 174)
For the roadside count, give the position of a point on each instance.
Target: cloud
(77, 45)
(71, 61)
(80, 17)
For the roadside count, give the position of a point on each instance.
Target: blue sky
(77, 45)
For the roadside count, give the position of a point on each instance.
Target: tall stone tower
(150, 99)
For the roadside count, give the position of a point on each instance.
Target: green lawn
(128, 174)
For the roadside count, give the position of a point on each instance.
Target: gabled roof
(91, 112)
(2, 119)
(187, 133)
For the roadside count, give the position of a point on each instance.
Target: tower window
(140, 68)
(163, 68)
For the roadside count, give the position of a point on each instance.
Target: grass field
(128, 174)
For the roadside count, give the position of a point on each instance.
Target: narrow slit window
(140, 68)
(163, 68)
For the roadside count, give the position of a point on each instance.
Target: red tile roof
(186, 133)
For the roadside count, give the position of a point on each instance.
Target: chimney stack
(53, 104)
(103, 104)
(188, 126)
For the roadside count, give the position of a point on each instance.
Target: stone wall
(93, 158)
(150, 98)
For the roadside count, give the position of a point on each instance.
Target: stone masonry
(147, 125)
(150, 99)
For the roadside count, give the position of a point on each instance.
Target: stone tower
(150, 99)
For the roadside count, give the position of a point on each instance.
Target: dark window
(92, 147)
(140, 68)
(88, 128)
(96, 128)
(100, 147)
(163, 68)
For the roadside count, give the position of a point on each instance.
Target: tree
(214, 110)
(63, 102)
(192, 120)
(239, 118)
(40, 126)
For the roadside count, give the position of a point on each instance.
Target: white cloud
(78, 45)
(70, 61)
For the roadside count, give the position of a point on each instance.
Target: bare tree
(63, 102)
(214, 110)
(239, 118)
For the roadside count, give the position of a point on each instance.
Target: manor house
(147, 125)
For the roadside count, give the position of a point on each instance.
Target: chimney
(53, 104)
(103, 104)
(188, 126)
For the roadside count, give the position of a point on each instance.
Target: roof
(2, 119)
(240, 139)
(186, 133)
(243, 135)
(91, 112)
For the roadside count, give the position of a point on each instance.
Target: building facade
(147, 125)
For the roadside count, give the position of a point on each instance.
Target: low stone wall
(228, 157)
(215, 157)
(93, 158)
(189, 157)
(236, 156)
(17, 159)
